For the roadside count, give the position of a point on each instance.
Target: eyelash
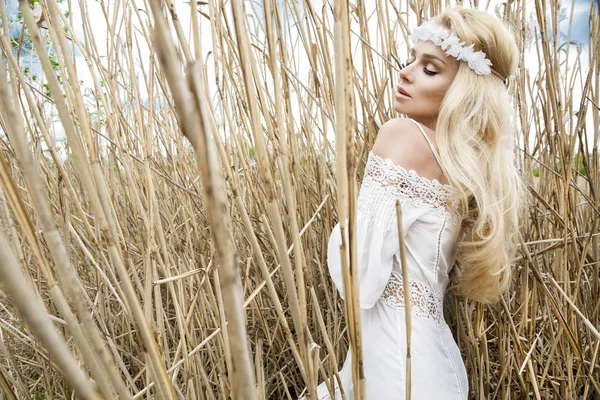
(425, 70)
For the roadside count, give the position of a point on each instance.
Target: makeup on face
(424, 82)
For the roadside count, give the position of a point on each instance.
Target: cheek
(437, 92)
(431, 99)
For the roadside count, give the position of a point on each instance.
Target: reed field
(167, 192)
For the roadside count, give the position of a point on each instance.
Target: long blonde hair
(474, 134)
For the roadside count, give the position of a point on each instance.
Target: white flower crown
(440, 36)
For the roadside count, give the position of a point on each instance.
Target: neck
(427, 122)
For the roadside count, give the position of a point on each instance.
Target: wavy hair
(475, 135)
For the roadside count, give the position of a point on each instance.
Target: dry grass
(177, 243)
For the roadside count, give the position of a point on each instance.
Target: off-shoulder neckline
(433, 182)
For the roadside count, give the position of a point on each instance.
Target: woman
(451, 165)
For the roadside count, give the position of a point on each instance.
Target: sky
(579, 33)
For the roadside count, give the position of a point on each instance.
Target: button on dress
(430, 232)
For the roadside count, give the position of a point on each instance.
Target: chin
(402, 110)
(399, 108)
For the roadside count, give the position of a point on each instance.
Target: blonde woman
(451, 165)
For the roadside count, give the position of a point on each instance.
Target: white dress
(430, 231)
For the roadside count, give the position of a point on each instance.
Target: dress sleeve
(377, 243)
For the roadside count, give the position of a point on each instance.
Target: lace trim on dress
(425, 302)
(407, 184)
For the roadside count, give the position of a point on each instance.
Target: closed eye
(428, 72)
(425, 70)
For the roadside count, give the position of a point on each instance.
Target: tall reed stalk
(169, 239)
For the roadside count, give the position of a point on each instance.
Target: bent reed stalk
(177, 235)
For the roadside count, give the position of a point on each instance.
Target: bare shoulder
(393, 134)
(401, 141)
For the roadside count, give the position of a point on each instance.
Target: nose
(406, 73)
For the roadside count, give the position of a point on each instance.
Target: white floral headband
(440, 36)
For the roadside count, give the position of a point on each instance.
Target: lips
(401, 91)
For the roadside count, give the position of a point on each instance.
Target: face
(424, 82)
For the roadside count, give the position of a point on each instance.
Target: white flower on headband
(440, 36)
(420, 33)
(479, 64)
(466, 53)
(453, 43)
(455, 48)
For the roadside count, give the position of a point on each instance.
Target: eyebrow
(427, 55)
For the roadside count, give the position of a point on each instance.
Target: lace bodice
(429, 228)
(425, 302)
(383, 178)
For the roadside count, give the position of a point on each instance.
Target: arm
(377, 239)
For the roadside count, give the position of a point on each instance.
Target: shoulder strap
(435, 153)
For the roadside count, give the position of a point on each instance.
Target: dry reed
(173, 246)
